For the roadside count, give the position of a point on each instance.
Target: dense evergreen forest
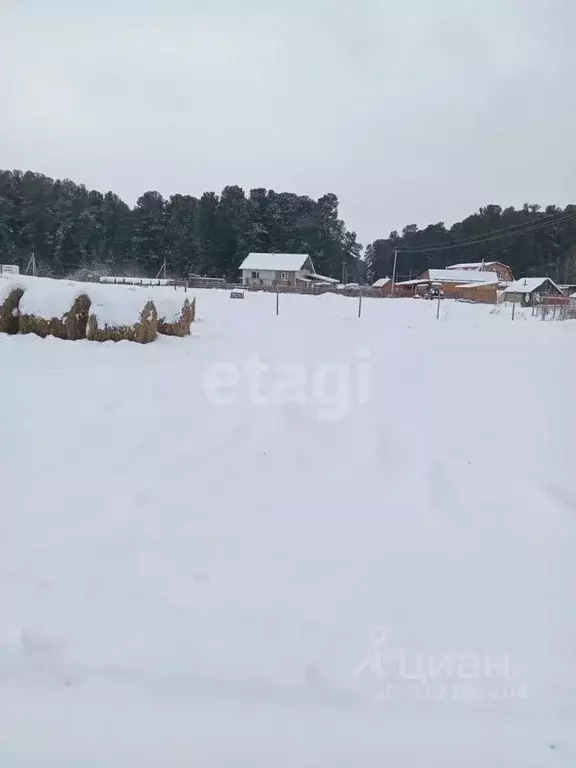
(74, 231)
(77, 232)
(531, 240)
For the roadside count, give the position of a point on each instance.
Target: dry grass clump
(71, 326)
(9, 312)
(181, 325)
(143, 332)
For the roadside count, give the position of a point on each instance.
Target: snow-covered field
(309, 539)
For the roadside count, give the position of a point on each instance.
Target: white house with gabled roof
(277, 269)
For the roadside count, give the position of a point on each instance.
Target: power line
(498, 235)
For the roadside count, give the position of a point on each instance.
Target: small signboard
(9, 269)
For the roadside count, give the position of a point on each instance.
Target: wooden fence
(555, 308)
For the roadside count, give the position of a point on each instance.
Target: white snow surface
(8, 283)
(48, 298)
(116, 305)
(203, 567)
(122, 305)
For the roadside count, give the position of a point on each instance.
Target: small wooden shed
(529, 290)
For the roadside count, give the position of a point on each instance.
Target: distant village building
(451, 281)
(384, 285)
(530, 290)
(281, 269)
(276, 269)
(502, 270)
(567, 288)
(479, 293)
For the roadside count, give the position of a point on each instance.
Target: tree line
(531, 240)
(76, 232)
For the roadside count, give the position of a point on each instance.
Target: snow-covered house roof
(480, 285)
(475, 265)
(323, 278)
(277, 262)
(381, 282)
(462, 276)
(529, 284)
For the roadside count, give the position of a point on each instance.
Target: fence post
(277, 301)
(360, 302)
(513, 306)
(438, 308)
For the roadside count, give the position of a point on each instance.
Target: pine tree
(149, 247)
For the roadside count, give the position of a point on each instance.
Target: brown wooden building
(383, 285)
(480, 293)
(451, 281)
(503, 271)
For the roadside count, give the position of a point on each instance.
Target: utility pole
(394, 273)
(162, 270)
(32, 264)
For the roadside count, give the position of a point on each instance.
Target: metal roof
(479, 285)
(475, 264)
(528, 284)
(277, 262)
(323, 278)
(462, 276)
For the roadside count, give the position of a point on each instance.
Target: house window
(255, 275)
(284, 275)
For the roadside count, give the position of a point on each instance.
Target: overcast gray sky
(411, 112)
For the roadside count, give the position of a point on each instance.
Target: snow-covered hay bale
(55, 308)
(10, 295)
(114, 323)
(176, 323)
